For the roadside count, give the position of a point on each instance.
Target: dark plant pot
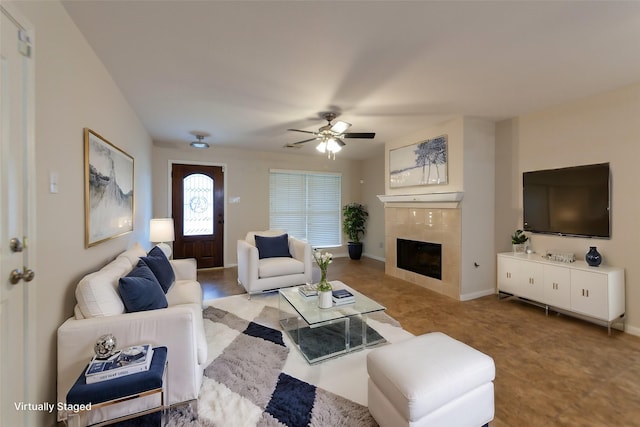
(355, 250)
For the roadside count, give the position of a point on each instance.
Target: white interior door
(16, 129)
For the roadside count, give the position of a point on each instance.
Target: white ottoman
(430, 380)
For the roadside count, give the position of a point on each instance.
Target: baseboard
(364, 254)
(337, 254)
(479, 294)
(632, 330)
(377, 258)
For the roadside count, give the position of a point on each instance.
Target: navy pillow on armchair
(272, 247)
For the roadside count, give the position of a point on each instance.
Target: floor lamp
(161, 232)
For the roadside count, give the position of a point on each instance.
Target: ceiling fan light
(333, 146)
(199, 144)
(200, 141)
(322, 147)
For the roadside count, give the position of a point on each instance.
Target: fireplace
(419, 257)
(425, 224)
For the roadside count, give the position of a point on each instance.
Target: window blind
(307, 205)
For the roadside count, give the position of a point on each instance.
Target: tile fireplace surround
(435, 225)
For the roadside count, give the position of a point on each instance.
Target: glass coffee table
(323, 333)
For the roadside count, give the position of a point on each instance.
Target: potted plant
(354, 220)
(518, 240)
(324, 287)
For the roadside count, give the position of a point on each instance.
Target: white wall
(478, 262)
(73, 91)
(373, 184)
(601, 128)
(247, 177)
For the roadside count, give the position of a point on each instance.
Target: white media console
(592, 293)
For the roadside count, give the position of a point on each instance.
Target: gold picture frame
(108, 190)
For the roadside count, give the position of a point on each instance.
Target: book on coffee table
(342, 296)
(308, 290)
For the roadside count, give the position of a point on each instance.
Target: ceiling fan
(330, 135)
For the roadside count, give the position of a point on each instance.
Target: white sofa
(100, 310)
(258, 275)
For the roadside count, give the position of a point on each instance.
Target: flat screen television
(573, 201)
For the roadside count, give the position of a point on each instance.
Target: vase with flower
(324, 287)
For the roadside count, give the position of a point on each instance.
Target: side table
(84, 398)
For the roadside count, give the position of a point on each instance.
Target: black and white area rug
(257, 377)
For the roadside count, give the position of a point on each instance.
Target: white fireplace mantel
(452, 197)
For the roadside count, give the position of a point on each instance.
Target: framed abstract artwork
(108, 190)
(424, 163)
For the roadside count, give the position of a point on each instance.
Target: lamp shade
(161, 230)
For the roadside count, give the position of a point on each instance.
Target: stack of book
(125, 362)
(343, 296)
(308, 291)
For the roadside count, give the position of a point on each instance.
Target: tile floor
(550, 371)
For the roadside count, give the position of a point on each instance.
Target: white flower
(322, 259)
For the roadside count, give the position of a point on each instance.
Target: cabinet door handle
(587, 293)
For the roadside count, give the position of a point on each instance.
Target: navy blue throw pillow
(272, 247)
(160, 266)
(140, 290)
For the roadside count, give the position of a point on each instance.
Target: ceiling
(246, 71)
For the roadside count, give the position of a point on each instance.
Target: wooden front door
(198, 213)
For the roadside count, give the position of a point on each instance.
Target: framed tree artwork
(424, 163)
(108, 190)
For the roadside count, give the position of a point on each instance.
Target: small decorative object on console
(105, 346)
(567, 257)
(593, 257)
(518, 240)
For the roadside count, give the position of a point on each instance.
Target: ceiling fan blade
(340, 142)
(304, 131)
(293, 144)
(368, 135)
(340, 127)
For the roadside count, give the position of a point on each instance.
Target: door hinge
(24, 43)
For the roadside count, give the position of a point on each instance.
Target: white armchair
(257, 274)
